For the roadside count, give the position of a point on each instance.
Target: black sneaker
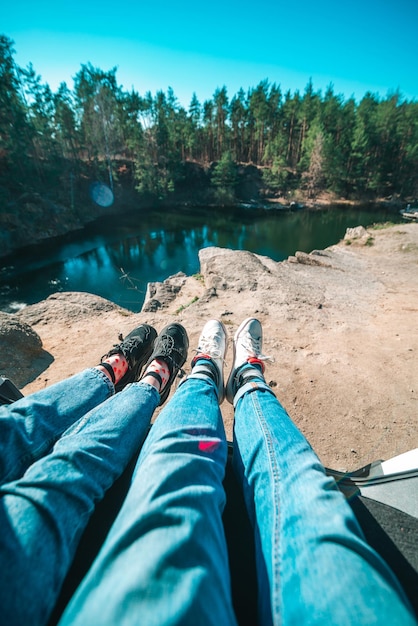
(136, 348)
(171, 346)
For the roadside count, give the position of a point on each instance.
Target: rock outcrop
(159, 295)
(66, 306)
(18, 340)
(20, 346)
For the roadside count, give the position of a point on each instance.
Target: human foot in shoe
(210, 355)
(248, 359)
(123, 363)
(167, 358)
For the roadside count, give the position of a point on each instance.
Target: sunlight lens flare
(101, 194)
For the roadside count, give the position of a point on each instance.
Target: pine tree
(238, 116)
(313, 176)
(15, 132)
(224, 179)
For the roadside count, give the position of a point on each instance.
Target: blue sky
(358, 46)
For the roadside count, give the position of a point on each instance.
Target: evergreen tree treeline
(303, 140)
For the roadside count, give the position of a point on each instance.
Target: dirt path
(342, 326)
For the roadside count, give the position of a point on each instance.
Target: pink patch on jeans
(209, 446)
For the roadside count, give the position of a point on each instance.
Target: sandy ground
(340, 324)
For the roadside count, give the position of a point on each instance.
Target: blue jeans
(165, 559)
(313, 563)
(60, 450)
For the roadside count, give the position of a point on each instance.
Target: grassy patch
(185, 306)
(382, 225)
(198, 276)
(369, 241)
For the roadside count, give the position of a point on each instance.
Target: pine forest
(308, 142)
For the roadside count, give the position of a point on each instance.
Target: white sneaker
(213, 345)
(248, 343)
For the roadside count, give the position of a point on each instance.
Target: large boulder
(20, 344)
(239, 270)
(65, 306)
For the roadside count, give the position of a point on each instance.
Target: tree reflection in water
(117, 260)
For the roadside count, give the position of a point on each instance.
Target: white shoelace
(253, 347)
(210, 347)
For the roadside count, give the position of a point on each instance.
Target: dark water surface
(116, 257)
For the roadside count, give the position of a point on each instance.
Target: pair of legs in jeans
(165, 558)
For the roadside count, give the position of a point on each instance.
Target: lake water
(116, 257)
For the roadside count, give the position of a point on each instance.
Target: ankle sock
(205, 362)
(254, 362)
(252, 370)
(158, 369)
(116, 366)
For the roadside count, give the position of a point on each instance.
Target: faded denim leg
(313, 564)
(43, 513)
(165, 559)
(30, 426)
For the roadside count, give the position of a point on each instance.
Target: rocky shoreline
(340, 324)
